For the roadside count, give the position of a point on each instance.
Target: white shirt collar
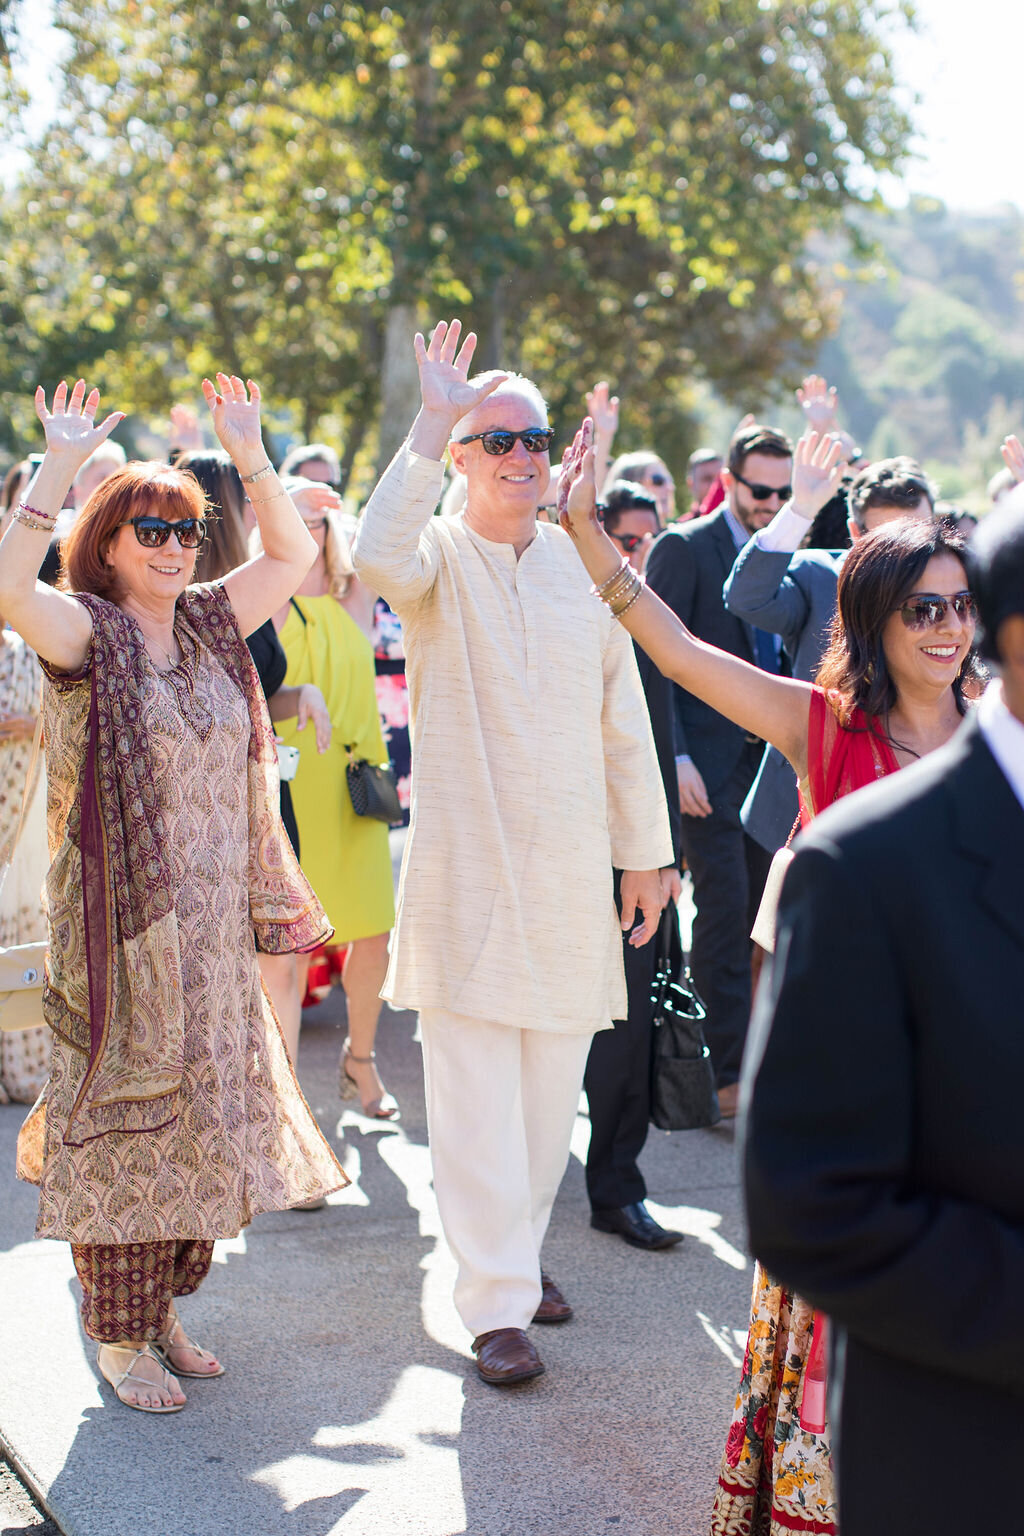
(1004, 736)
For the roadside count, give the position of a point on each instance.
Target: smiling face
(149, 576)
(510, 484)
(763, 470)
(930, 657)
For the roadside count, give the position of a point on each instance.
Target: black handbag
(683, 1096)
(373, 789)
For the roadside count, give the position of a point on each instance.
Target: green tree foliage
(929, 355)
(618, 188)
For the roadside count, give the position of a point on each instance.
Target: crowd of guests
(802, 628)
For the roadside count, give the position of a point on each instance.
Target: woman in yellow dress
(345, 857)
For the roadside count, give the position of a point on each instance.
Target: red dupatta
(843, 754)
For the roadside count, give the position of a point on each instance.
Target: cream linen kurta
(534, 770)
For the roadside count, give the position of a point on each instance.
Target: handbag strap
(298, 610)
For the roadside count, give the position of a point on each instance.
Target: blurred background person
(617, 1080)
(346, 857)
(313, 461)
(24, 858)
(224, 549)
(645, 468)
(702, 470)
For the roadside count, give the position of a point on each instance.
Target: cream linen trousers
(501, 1104)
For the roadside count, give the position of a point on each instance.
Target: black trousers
(729, 870)
(618, 1088)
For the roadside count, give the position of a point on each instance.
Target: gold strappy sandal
(384, 1107)
(118, 1382)
(164, 1343)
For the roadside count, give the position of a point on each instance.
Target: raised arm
(603, 410)
(261, 586)
(52, 623)
(390, 554)
(1013, 457)
(759, 589)
(774, 708)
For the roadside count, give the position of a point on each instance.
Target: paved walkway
(350, 1405)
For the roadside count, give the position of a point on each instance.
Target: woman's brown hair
(877, 576)
(152, 489)
(226, 545)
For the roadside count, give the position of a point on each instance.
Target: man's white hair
(516, 384)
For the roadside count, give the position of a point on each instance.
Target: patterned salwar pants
(127, 1288)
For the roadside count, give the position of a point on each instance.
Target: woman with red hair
(171, 1116)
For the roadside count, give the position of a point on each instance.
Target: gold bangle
(258, 474)
(627, 594)
(623, 569)
(638, 593)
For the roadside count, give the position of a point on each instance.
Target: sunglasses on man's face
(632, 541)
(924, 610)
(764, 492)
(534, 440)
(153, 532)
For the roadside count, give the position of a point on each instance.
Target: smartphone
(287, 761)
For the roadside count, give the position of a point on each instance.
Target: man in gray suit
(791, 592)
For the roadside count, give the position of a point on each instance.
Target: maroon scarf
(136, 1019)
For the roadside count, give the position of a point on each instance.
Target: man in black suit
(717, 761)
(885, 1141)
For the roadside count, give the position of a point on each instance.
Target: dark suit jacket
(884, 1154)
(687, 568)
(794, 597)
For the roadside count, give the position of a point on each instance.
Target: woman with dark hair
(171, 1116)
(890, 689)
(225, 548)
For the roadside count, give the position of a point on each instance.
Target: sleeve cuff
(784, 534)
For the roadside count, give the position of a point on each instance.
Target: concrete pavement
(350, 1405)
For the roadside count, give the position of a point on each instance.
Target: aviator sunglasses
(534, 439)
(924, 610)
(153, 532)
(764, 492)
(632, 541)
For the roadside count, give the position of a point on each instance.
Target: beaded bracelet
(259, 474)
(31, 519)
(47, 517)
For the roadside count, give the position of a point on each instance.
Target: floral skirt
(776, 1477)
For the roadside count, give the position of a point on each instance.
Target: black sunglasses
(925, 610)
(631, 541)
(153, 532)
(764, 492)
(534, 440)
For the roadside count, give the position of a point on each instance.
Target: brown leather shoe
(505, 1356)
(553, 1306)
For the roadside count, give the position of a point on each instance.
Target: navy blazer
(793, 596)
(885, 1179)
(687, 567)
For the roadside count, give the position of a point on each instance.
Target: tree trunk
(399, 383)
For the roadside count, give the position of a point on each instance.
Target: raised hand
(236, 416)
(1013, 457)
(819, 403)
(71, 429)
(603, 410)
(186, 433)
(444, 372)
(818, 466)
(577, 488)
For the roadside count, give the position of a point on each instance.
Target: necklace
(166, 654)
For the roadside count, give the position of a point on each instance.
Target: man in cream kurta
(534, 773)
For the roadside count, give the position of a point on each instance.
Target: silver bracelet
(259, 474)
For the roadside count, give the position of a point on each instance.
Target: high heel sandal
(117, 1382)
(384, 1107)
(164, 1343)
